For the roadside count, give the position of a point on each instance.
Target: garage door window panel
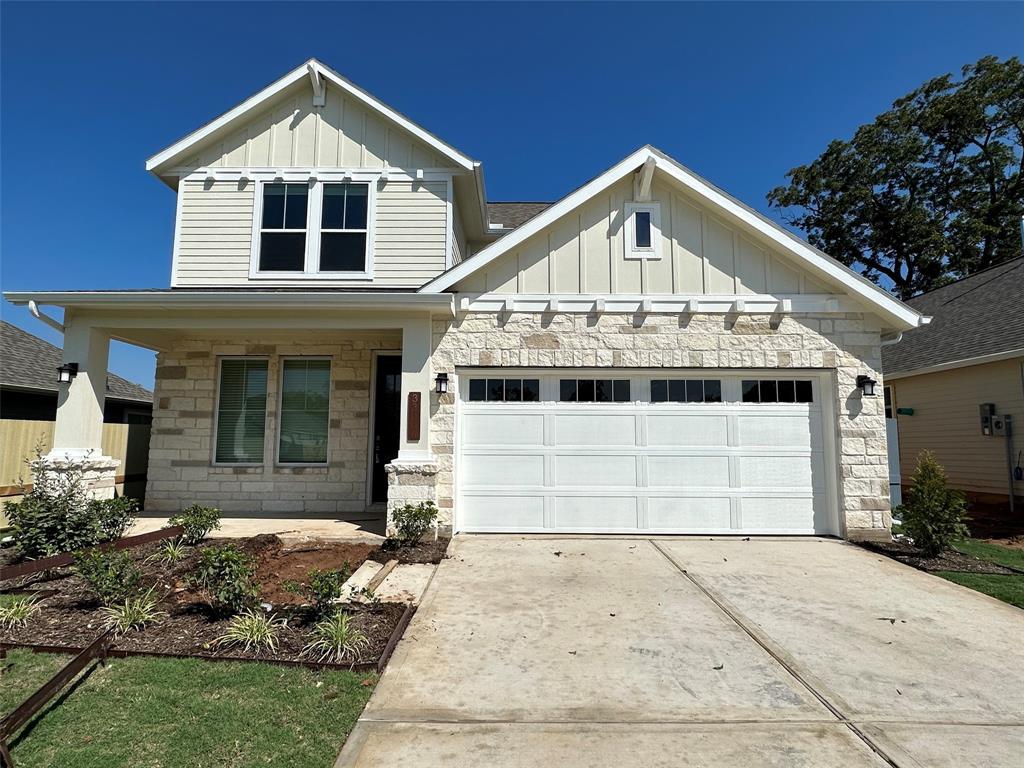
(504, 390)
(686, 391)
(594, 391)
(777, 391)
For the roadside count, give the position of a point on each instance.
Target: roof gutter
(179, 299)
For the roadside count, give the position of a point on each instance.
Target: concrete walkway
(688, 652)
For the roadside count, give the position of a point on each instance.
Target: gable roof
(251, 106)
(514, 214)
(882, 302)
(980, 316)
(28, 362)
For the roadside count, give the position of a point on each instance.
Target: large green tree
(932, 190)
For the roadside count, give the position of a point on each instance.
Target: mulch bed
(949, 560)
(71, 618)
(424, 552)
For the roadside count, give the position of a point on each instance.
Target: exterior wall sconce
(441, 383)
(67, 372)
(867, 385)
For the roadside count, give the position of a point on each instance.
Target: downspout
(34, 309)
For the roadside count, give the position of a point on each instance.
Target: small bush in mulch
(188, 625)
(948, 560)
(934, 516)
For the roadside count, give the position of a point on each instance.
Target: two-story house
(349, 323)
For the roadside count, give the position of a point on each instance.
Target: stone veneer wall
(181, 470)
(848, 344)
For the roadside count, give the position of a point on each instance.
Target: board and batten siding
(215, 235)
(582, 252)
(946, 422)
(341, 134)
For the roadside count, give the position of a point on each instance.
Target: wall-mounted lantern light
(67, 372)
(441, 383)
(867, 385)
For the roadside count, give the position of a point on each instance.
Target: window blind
(241, 411)
(305, 399)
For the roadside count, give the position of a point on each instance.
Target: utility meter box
(1002, 425)
(988, 412)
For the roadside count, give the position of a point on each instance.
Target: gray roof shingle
(982, 314)
(28, 362)
(512, 214)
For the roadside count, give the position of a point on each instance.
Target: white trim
(629, 247)
(321, 173)
(179, 208)
(966, 362)
(449, 227)
(751, 304)
(258, 100)
(216, 413)
(281, 360)
(314, 208)
(886, 305)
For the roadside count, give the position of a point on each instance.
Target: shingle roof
(983, 314)
(512, 214)
(28, 362)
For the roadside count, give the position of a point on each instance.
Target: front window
(241, 411)
(283, 228)
(314, 228)
(343, 228)
(305, 400)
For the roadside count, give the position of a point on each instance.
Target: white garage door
(707, 452)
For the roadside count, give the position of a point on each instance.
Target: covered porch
(284, 409)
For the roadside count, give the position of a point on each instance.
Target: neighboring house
(28, 408)
(350, 323)
(939, 377)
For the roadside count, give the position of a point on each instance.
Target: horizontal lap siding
(214, 239)
(946, 422)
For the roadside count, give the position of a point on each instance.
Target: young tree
(932, 190)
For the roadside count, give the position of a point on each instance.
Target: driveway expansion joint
(778, 656)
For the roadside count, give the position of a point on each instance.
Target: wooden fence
(19, 439)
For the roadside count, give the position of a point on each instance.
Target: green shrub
(112, 575)
(53, 516)
(114, 516)
(322, 588)
(198, 522)
(411, 522)
(134, 613)
(335, 639)
(252, 630)
(225, 573)
(17, 610)
(933, 514)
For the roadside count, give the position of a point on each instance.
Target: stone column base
(98, 473)
(869, 534)
(410, 483)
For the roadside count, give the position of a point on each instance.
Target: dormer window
(313, 228)
(642, 231)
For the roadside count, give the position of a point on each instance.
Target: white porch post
(412, 477)
(78, 431)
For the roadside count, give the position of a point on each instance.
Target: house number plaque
(412, 429)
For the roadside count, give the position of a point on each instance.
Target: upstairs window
(283, 228)
(343, 228)
(310, 229)
(641, 233)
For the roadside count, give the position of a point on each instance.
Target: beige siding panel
(342, 133)
(215, 234)
(946, 422)
(409, 252)
(701, 253)
(687, 246)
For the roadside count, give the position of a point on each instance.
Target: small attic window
(642, 227)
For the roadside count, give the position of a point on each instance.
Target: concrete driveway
(690, 652)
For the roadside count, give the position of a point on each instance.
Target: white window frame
(630, 249)
(314, 208)
(278, 413)
(216, 413)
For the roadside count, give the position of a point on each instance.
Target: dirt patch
(426, 552)
(70, 617)
(1013, 542)
(949, 560)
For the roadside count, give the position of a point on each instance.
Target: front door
(386, 420)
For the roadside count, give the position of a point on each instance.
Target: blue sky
(546, 95)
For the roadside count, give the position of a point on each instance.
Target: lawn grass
(186, 713)
(1008, 588)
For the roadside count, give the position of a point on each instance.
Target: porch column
(78, 431)
(412, 477)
